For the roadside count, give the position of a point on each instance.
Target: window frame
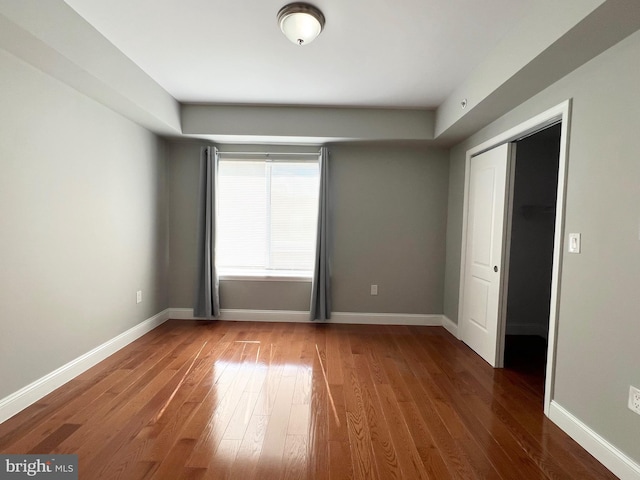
(267, 275)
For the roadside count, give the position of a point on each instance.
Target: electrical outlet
(634, 399)
(139, 296)
(374, 289)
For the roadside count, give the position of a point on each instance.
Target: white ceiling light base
(300, 22)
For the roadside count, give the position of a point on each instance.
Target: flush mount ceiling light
(300, 22)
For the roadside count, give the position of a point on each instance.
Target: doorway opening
(486, 232)
(531, 247)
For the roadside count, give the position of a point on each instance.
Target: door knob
(495, 268)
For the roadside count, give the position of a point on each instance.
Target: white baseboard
(527, 329)
(33, 392)
(245, 315)
(612, 458)
(386, 319)
(303, 316)
(451, 327)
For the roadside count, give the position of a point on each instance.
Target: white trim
(562, 113)
(558, 247)
(33, 392)
(265, 276)
(237, 315)
(451, 327)
(607, 454)
(386, 319)
(303, 317)
(264, 316)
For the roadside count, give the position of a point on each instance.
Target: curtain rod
(266, 154)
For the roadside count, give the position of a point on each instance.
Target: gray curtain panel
(207, 302)
(321, 286)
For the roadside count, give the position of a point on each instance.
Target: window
(267, 217)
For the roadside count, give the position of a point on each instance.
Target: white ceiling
(373, 53)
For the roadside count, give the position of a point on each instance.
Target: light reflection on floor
(262, 407)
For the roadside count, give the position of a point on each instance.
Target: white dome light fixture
(300, 22)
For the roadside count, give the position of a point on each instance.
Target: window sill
(265, 276)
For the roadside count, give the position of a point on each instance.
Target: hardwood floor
(214, 400)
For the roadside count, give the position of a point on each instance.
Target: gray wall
(83, 224)
(182, 176)
(389, 208)
(598, 327)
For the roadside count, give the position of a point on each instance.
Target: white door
(483, 270)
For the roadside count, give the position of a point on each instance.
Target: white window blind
(267, 216)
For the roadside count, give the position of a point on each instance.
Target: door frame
(560, 113)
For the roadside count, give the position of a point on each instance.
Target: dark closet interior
(531, 253)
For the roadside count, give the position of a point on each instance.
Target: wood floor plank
(295, 457)
(384, 451)
(173, 463)
(66, 411)
(425, 445)
(340, 466)
(334, 366)
(123, 426)
(250, 449)
(214, 416)
(52, 441)
(249, 401)
(276, 434)
(320, 409)
(364, 466)
(425, 395)
(410, 463)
